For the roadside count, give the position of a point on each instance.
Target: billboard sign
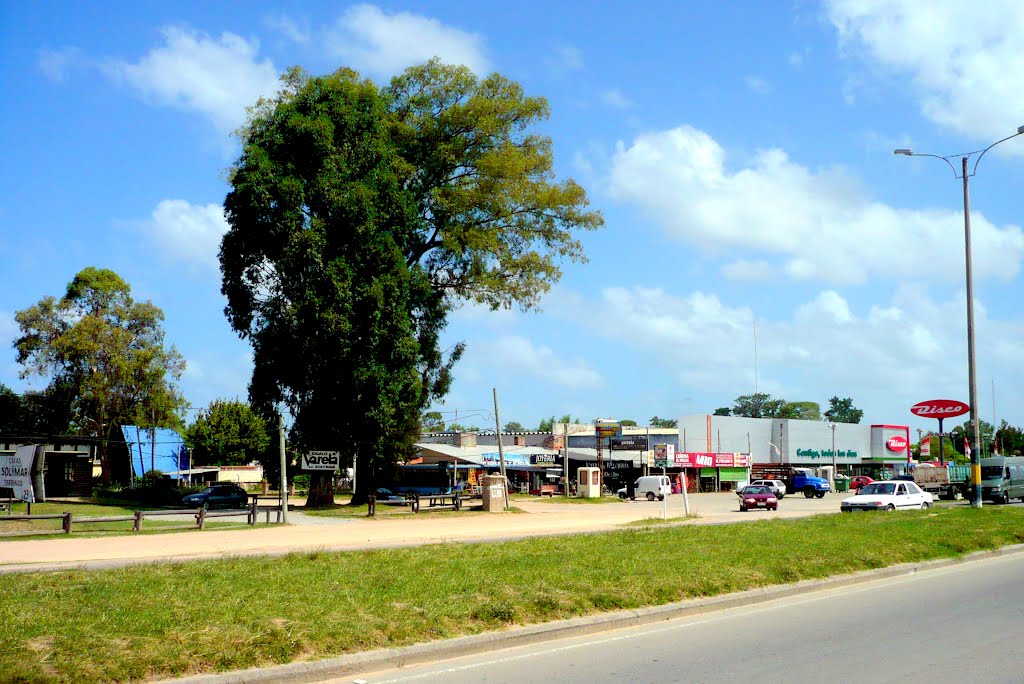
(940, 408)
(16, 472)
(321, 460)
(606, 428)
(664, 455)
(926, 448)
(628, 443)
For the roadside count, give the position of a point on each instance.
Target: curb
(390, 658)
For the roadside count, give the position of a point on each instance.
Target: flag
(967, 448)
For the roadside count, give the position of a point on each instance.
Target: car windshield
(756, 490)
(879, 488)
(991, 472)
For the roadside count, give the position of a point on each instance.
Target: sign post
(939, 409)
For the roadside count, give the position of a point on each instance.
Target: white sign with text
(16, 472)
(321, 460)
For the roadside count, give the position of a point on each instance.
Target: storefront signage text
(686, 459)
(629, 443)
(896, 443)
(939, 408)
(16, 472)
(493, 459)
(825, 453)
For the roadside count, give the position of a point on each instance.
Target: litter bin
(842, 484)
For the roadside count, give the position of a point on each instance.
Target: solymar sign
(321, 460)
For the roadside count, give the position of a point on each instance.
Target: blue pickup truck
(804, 480)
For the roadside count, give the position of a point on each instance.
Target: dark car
(758, 496)
(218, 496)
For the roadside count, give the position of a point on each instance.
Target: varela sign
(321, 460)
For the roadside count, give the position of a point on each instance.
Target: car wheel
(661, 497)
(821, 495)
(632, 498)
(650, 496)
(925, 505)
(743, 509)
(622, 496)
(890, 507)
(809, 492)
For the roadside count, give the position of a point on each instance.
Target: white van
(651, 486)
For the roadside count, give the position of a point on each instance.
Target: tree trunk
(321, 489)
(366, 480)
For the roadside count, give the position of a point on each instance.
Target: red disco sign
(896, 444)
(940, 408)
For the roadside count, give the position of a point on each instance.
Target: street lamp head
(1020, 130)
(908, 153)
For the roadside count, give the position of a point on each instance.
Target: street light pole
(964, 174)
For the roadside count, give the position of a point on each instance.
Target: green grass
(95, 509)
(659, 521)
(146, 622)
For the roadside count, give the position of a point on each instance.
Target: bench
(411, 500)
(444, 501)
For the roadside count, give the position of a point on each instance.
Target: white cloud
(297, 31)
(615, 98)
(188, 232)
(192, 71)
(385, 44)
(758, 85)
(966, 60)
(750, 271)
(796, 59)
(526, 359)
(819, 224)
(568, 58)
(55, 64)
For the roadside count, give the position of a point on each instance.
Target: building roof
(165, 453)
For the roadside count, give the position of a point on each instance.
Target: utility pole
(284, 471)
(834, 466)
(501, 450)
(565, 456)
(152, 440)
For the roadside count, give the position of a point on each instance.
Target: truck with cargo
(948, 481)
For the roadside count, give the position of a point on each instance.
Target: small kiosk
(588, 483)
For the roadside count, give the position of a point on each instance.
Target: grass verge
(147, 622)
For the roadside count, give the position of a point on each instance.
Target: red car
(757, 496)
(858, 481)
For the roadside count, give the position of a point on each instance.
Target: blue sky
(741, 153)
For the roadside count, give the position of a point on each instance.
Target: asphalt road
(959, 624)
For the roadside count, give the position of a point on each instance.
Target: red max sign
(896, 444)
(940, 408)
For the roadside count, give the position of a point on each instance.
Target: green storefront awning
(732, 474)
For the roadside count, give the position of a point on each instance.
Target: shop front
(712, 471)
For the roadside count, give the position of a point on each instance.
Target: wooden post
(67, 522)
(252, 513)
(371, 508)
(201, 517)
(137, 527)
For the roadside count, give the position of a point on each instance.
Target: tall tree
(432, 421)
(35, 414)
(546, 424)
(1009, 439)
(107, 351)
(800, 410)
(228, 432)
(358, 217)
(842, 411)
(513, 426)
(723, 411)
(757, 405)
(663, 422)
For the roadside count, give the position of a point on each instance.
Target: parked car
(758, 496)
(888, 496)
(858, 481)
(218, 495)
(778, 487)
(650, 486)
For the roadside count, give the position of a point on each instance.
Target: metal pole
(284, 471)
(833, 426)
(565, 456)
(501, 450)
(971, 377)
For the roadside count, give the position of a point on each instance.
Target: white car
(777, 486)
(888, 496)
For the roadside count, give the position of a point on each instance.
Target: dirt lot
(540, 517)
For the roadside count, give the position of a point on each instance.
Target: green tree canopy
(107, 352)
(723, 411)
(663, 422)
(1009, 439)
(228, 432)
(432, 421)
(800, 410)
(358, 216)
(843, 411)
(513, 426)
(627, 422)
(757, 405)
(35, 414)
